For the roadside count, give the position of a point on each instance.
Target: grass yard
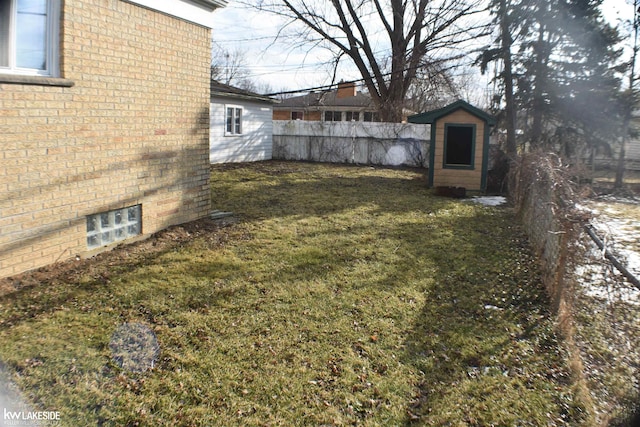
(337, 295)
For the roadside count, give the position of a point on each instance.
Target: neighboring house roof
(432, 116)
(221, 89)
(317, 100)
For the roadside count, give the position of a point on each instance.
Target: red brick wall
(281, 114)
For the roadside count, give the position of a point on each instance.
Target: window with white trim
(370, 117)
(333, 116)
(352, 116)
(233, 120)
(112, 226)
(29, 37)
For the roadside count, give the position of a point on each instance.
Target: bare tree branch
(388, 41)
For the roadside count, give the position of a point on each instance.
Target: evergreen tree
(503, 19)
(580, 80)
(566, 69)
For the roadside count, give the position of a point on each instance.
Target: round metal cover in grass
(134, 347)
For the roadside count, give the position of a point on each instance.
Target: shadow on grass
(484, 342)
(65, 285)
(260, 192)
(480, 349)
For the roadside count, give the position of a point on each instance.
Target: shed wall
(469, 179)
(256, 141)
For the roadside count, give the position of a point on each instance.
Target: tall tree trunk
(538, 89)
(510, 110)
(631, 105)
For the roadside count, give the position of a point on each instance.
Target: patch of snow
(608, 302)
(610, 198)
(620, 236)
(613, 293)
(489, 200)
(596, 280)
(584, 208)
(633, 261)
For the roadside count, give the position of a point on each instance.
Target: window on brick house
(233, 120)
(112, 226)
(297, 115)
(333, 116)
(370, 117)
(29, 37)
(352, 116)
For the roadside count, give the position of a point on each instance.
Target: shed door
(459, 146)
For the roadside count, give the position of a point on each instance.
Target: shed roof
(432, 116)
(221, 89)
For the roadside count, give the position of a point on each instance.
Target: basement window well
(108, 227)
(459, 146)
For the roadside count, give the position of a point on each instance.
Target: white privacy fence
(371, 143)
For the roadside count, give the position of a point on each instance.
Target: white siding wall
(632, 153)
(254, 144)
(633, 150)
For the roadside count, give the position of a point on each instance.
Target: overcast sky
(286, 67)
(282, 66)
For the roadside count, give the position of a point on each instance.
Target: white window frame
(236, 128)
(355, 116)
(334, 114)
(373, 117)
(52, 49)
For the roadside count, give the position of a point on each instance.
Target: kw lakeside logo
(30, 418)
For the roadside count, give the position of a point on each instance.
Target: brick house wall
(128, 125)
(282, 115)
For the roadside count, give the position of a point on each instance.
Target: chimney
(346, 89)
